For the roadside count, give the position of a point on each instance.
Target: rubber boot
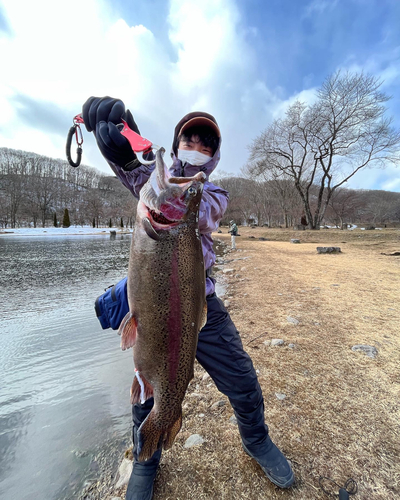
(273, 462)
(141, 482)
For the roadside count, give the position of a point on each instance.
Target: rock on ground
(218, 404)
(124, 472)
(369, 350)
(193, 440)
(328, 250)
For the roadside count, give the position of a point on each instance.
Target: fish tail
(141, 389)
(170, 435)
(151, 435)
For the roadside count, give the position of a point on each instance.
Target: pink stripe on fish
(174, 320)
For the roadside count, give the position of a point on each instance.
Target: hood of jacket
(189, 170)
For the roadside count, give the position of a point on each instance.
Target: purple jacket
(214, 201)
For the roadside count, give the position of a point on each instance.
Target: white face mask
(195, 158)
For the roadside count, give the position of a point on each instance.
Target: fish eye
(192, 190)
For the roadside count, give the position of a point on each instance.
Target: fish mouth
(159, 218)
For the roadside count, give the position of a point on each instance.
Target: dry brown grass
(341, 415)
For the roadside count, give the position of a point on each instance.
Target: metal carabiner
(75, 130)
(140, 146)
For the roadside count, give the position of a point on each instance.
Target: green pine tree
(66, 222)
(55, 220)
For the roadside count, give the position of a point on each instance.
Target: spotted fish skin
(166, 293)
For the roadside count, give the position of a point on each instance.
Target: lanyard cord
(350, 488)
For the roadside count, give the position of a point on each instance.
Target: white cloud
(307, 96)
(392, 185)
(205, 36)
(319, 7)
(384, 64)
(82, 48)
(46, 56)
(390, 178)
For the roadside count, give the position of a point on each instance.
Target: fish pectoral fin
(150, 231)
(127, 330)
(141, 389)
(151, 435)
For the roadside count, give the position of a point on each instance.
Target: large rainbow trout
(167, 301)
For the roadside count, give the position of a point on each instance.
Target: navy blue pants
(220, 352)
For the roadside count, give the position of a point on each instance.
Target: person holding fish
(174, 314)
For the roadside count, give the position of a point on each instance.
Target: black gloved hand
(101, 114)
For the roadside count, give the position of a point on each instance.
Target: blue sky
(243, 61)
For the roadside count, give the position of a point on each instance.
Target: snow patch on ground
(56, 231)
(354, 226)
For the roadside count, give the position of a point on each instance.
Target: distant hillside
(35, 190)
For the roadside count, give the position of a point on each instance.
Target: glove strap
(131, 165)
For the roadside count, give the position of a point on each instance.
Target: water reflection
(65, 382)
(13, 427)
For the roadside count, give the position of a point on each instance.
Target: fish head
(168, 201)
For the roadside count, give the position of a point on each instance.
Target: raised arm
(101, 116)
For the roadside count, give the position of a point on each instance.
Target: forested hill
(276, 202)
(35, 190)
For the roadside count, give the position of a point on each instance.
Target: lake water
(64, 382)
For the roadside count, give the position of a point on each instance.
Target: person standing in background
(234, 231)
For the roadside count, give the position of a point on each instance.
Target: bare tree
(94, 205)
(43, 190)
(13, 167)
(343, 205)
(287, 198)
(118, 201)
(396, 213)
(33, 187)
(380, 206)
(269, 204)
(321, 146)
(239, 208)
